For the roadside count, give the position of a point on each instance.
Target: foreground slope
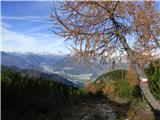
(25, 98)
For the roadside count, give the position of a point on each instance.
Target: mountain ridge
(64, 65)
(43, 75)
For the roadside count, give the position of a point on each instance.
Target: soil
(104, 109)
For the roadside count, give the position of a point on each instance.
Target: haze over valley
(63, 65)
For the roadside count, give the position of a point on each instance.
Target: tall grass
(123, 88)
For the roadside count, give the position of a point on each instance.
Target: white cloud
(5, 25)
(30, 27)
(27, 18)
(37, 42)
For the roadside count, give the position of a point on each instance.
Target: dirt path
(103, 109)
(92, 110)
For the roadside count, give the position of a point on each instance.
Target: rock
(100, 111)
(141, 112)
(118, 99)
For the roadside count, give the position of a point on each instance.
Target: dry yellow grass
(131, 75)
(109, 88)
(89, 87)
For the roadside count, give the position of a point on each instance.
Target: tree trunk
(146, 91)
(141, 75)
(136, 67)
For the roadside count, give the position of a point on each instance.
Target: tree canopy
(107, 29)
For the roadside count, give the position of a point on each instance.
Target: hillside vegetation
(116, 84)
(153, 74)
(27, 98)
(119, 82)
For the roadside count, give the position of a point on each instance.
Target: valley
(64, 65)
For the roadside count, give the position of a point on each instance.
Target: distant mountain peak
(33, 53)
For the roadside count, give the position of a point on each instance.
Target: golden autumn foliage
(109, 88)
(101, 28)
(89, 87)
(132, 78)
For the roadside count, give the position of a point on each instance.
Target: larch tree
(110, 30)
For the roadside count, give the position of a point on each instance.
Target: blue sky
(26, 28)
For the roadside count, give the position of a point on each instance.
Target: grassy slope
(153, 74)
(110, 76)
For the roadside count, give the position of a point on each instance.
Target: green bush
(153, 74)
(136, 92)
(123, 88)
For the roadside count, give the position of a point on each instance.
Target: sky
(26, 27)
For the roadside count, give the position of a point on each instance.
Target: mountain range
(38, 74)
(63, 65)
(28, 60)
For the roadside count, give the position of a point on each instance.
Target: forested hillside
(34, 99)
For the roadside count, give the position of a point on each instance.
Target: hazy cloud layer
(35, 42)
